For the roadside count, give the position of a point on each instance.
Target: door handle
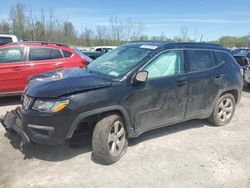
(182, 82)
(218, 76)
(58, 65)
(16, 68)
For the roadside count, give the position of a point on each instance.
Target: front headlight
(50, 105)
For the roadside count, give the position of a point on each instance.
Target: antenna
(201, 37)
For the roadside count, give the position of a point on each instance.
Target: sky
(210, 18)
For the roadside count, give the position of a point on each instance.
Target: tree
(18, 20)
(4, 27)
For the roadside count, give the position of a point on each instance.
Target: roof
(168, 45)
(35, 43)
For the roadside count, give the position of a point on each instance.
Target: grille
(27, 101)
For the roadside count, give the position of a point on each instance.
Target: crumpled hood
(57, 83)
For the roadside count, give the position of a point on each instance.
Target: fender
(98, 111)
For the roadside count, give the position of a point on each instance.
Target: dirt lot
(190, 154)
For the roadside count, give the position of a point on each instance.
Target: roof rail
(174, 42)
(42, 42)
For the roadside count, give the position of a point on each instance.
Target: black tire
(215, 117)
(102, 146)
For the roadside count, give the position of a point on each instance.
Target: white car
(102, 49)
(5, 39)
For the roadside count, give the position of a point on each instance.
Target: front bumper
(37, 127)
(11, 121)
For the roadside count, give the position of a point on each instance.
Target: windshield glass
(242, 53)
(119, 61)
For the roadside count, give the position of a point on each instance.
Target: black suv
(135, 88)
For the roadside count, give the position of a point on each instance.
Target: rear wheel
(224, 110)
(109, 139)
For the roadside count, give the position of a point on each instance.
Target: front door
(12, 70)
(162, 100)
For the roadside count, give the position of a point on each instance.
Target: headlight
(49, 105)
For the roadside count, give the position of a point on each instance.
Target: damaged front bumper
(11, 121)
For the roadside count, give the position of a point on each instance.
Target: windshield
(119, 61)
(242, 53)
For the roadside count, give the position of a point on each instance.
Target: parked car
(136, 87)
(247, 77)
(243, 59)
(5, 39)
(239, 50)
(19, 61)
(102, 49)
(92, 55)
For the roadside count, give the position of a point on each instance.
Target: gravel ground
(190, 154)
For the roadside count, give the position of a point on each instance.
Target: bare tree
(18, 20)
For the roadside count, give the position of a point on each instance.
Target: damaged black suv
(135, 88)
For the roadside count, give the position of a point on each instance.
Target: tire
(109, 140)
(223, 111)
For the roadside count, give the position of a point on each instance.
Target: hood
(57, 83)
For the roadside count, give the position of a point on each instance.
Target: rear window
(37, 54)
(67, 53)
(199, 59)
(5, 40)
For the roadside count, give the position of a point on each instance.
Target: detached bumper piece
(12, 122)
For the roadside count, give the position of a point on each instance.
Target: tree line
(46, 27)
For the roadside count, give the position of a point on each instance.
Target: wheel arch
(100, 111)
(234, 92)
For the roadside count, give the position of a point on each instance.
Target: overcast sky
(212, 18)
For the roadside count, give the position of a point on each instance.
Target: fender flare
(83, 115)
(224, 91)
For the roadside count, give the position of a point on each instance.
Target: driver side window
(167, 64)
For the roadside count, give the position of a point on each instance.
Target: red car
(19, 61)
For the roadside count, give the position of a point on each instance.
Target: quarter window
(199, 60)
(37, 54)
(221, 57)
(67, 53)
(9, 55)
(167, 64)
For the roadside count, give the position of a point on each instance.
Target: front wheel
(224, 110)
(109, 139)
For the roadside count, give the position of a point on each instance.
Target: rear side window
(9, 55)
(67, 53)
(37, 54)
(199, 59)
(221, 57)
(5, 40)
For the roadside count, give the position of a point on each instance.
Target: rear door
(12, 69)
(205, 80)
(43, 59)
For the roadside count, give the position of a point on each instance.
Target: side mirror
(141, 76)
